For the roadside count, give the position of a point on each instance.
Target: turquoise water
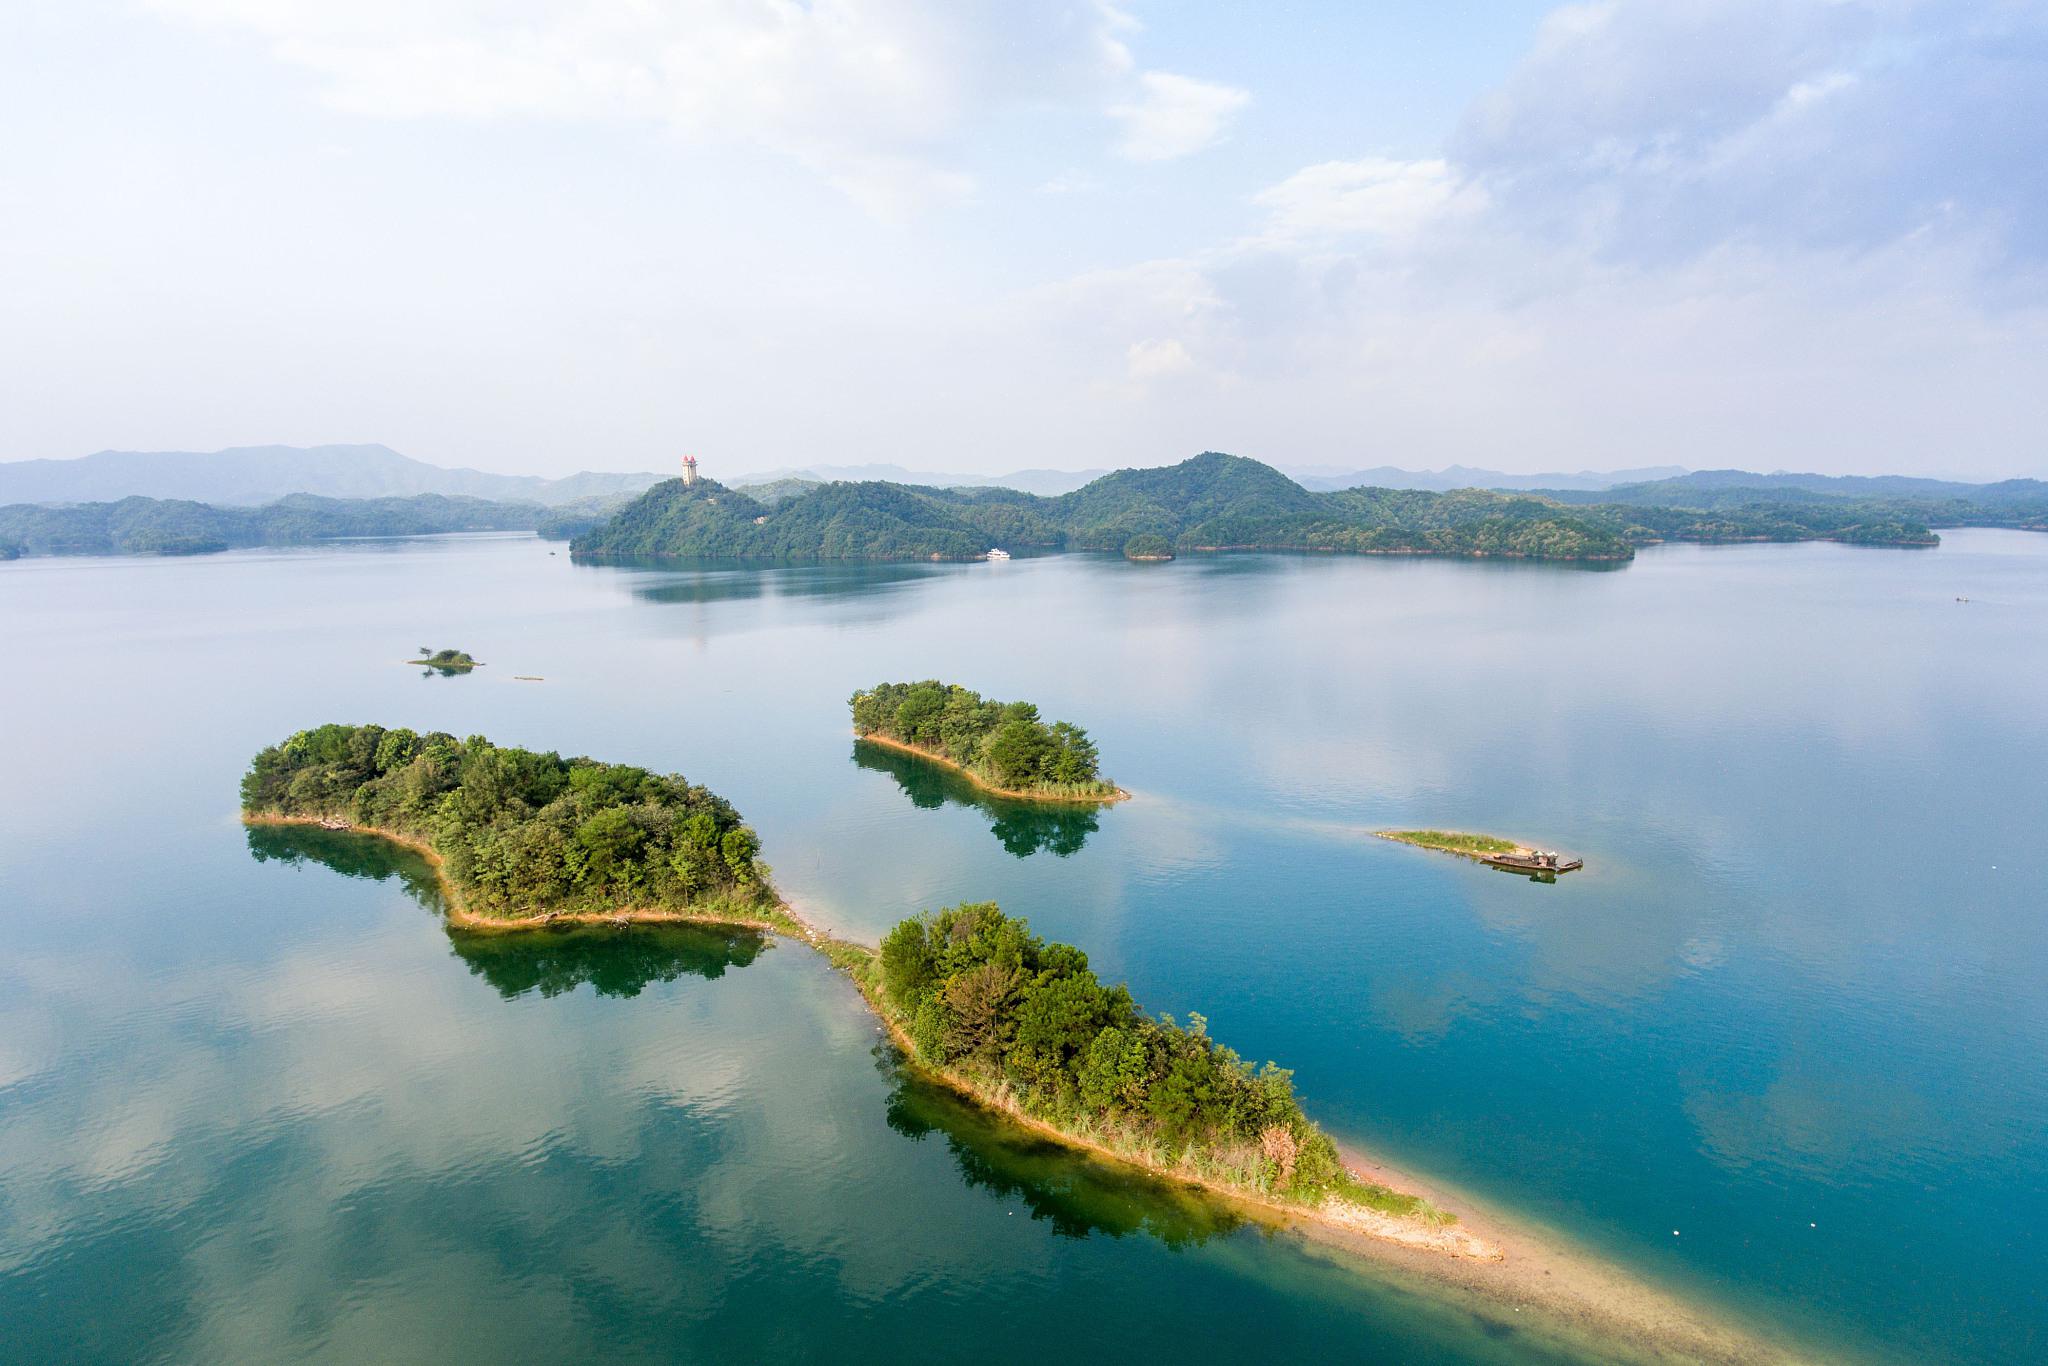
(256, 1103)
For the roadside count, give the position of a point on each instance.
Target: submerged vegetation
(1002, 744)
(1028, 1027)
(522, 834)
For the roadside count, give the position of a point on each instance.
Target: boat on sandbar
(1538, 862)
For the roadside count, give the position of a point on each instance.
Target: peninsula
(1002, 746)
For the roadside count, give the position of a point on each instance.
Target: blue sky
(980, 236)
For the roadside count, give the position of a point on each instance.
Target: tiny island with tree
(447, 661)
(1003, 746)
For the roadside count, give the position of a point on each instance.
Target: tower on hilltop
(689, 470)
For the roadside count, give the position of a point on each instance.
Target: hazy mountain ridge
(1324, 477)
(249, 476)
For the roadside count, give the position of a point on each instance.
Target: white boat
(997, 555)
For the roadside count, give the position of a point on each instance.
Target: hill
(252, 475)
(159, 526)
(1212, 502)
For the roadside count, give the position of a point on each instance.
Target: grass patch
(1454, 841)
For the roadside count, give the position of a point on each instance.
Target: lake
(1782, 1046)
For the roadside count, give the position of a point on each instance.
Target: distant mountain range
(1467, 477)
(249, 476)
(1044, 482)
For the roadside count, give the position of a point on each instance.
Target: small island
(1488, 849)
(1148, 546)
(1026, 1028)
(522, 838)
(1002, 746)
(446, 661)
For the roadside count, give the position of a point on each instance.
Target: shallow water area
(1779, 1045)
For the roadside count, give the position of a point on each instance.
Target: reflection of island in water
(1020, 826)
(1023, 828)
(611, 961)
(1076, 1195)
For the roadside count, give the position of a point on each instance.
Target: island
(524, 838)
(1217, 502)
(1488, 849)
(1002, 746)
(446, 661)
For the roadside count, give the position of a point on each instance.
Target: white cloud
(1158, 359)
(1377, 196)
(872, 94)
(1174, 116)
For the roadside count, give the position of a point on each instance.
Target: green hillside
(1212, 502)
(170, 526)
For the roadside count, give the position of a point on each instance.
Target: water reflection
(351, 855)
(704, 581)
(1023, 828)
(612, 961)
(1073, 1194)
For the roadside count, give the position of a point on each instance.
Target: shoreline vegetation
(1003, 746)
(523, 842)
(981, 784)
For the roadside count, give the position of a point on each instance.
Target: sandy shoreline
(1506, 1271)
(1011, 793)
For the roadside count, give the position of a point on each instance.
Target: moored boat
(1533, 861)
(997, 555)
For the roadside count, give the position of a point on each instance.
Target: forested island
(1026, 1026)
(1218, 502)
(1004, 746)
(521, 835)
(169, 526)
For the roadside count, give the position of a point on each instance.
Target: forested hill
(170, 526)
(1868, 504)
(1212, 502)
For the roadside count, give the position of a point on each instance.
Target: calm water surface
(256, 1103)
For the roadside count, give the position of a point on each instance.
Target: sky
(986, 235)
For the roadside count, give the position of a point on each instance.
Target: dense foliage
(1003, 743)
(1148, 545)
(1029, 1024)
(161, 526)
(1212, 502)
(520, 833)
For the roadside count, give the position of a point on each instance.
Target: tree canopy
(520, 833)
(1005, 744)
(1028, 1022)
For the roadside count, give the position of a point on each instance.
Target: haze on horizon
(538, 238)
